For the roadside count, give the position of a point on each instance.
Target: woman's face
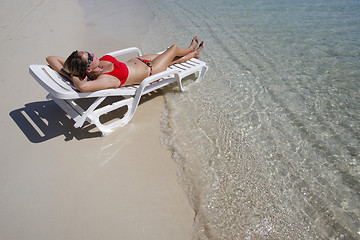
(90, 59)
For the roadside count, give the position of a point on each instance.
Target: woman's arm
(102, 82)
(57, 63)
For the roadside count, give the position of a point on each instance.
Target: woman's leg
(161, 62)
(149, 57)
(194, 54)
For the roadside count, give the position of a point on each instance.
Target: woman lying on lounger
(83, 67)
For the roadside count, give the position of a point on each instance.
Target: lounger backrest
(49, 79)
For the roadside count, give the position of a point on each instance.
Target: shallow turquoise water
(268, 143)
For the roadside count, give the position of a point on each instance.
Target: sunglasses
(90, 59)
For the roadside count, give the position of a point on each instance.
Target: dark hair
(75, 65)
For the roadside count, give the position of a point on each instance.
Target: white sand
(58, 182)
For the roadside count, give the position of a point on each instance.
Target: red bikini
(148, 63)
(120, 71)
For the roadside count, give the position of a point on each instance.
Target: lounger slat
(185, 65)
(196, 61)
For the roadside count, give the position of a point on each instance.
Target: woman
(89, 73)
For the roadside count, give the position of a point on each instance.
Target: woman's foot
(194, 43)
(197, 51)
(193, 54)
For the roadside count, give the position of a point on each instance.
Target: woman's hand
(76, 78)
(80, 84)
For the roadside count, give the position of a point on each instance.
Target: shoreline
(76, 185)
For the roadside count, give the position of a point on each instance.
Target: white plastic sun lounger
(65, 94)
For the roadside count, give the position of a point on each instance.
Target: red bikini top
(120, 70)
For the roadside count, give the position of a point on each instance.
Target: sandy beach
(58, 182)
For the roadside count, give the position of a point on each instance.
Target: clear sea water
(268, 144)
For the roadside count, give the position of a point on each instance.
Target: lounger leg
(85, 115)
(202, 73)
(105, 129)
(131, 104)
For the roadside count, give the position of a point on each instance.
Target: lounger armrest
(126, 51)
(158, 76)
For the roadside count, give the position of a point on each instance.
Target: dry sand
(58, 182)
